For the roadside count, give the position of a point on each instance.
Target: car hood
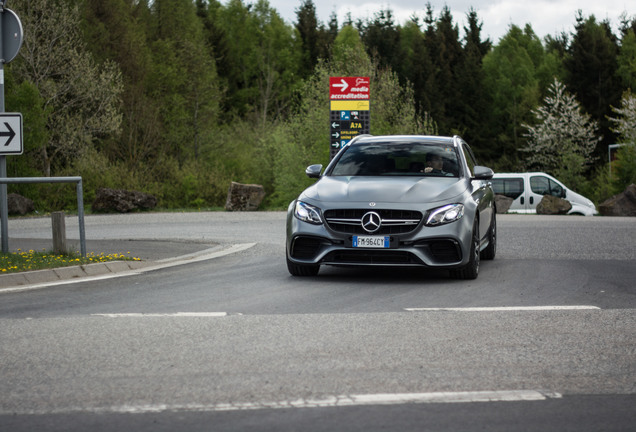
(398, 189)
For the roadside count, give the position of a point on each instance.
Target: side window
(540, 185)
(555, 189)
(512, 187)
(470, 159)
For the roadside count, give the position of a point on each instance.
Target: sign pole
(11, 37)
(4, 210)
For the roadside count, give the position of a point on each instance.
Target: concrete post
(59, 233)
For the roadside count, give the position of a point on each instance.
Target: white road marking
(502, 309)
(327, 402)
(149, 315)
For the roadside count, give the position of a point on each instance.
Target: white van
(527, 190)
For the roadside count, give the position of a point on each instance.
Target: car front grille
(349, 221)
(371, 257)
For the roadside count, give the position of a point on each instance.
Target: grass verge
(31, 260)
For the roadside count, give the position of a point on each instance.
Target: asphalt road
(544, 339)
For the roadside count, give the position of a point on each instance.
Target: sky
(547, 17)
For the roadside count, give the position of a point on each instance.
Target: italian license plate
(371, 241)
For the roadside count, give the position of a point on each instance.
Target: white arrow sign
(10, 133)
(343, 86)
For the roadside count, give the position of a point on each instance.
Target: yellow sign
(359, 105)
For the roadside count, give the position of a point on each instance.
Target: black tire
(491, 250)
(471, 269)
(302, 269)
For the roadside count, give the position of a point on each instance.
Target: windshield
(398, 159)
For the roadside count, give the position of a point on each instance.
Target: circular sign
(12, 35)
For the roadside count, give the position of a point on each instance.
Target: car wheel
(471, 269)
(302, 269)
(491, 250)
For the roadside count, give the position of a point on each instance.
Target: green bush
(624, 168)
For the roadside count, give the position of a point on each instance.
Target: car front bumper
(446, 246)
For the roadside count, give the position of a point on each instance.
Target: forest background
(177, 98)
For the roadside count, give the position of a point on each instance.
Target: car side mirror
(483, 173)
(313, 171)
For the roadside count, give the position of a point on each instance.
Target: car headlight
(307, 213)
(447, 214)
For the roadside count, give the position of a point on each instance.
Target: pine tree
(446, 56)
(591, 66)
(307, 26)
(626, 59)
(472, 111)
(382, 39)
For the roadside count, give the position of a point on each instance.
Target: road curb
(67, 273)
(40, 278)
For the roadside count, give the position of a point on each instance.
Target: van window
(544, 186)
(510, 187)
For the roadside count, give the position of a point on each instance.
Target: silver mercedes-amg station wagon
(395, 201)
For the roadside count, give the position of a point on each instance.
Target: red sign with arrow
(349, 88)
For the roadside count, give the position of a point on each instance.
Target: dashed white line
(153, 315)
(502, 309)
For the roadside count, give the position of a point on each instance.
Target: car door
(541, 185)
(514, 188)
(482, 193)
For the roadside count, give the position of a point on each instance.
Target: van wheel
(471, 269)
(491, 250)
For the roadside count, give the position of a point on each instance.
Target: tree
(591, 66)
(624, 167)
(382, 39)
(415, 66)
(278, 61)
(303, 138)
(116, 30)
(472, 110)
(625, 123)
(563, 140)
(79, 98)
(510, 80)
(183, 79)
(346, 43)
(264, 65)
(446, 55)
(307, 26)
(626, 59)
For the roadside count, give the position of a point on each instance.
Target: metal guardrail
(80, 204)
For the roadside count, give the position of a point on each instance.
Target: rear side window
(510, 187)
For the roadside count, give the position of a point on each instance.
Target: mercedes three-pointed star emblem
(371, 222)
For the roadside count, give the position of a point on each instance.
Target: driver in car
(435, 164)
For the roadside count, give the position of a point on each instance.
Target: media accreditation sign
(349, 100)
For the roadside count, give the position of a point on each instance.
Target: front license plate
(371, 242)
